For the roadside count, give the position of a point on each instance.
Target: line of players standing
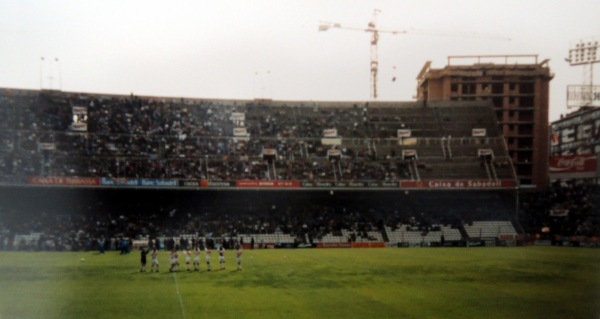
(188, 254)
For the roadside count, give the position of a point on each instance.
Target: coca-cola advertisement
(571, 164)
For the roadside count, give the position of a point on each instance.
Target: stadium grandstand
(79, 171)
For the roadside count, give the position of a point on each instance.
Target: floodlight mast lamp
(585, 52)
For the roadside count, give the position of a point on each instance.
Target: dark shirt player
(143, 254)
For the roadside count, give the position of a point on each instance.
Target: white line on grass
(179, 296)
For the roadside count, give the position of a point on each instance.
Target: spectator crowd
(68, 134)
(77, 219)
(82, 135)
(566, 209)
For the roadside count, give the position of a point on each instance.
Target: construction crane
(372, 28)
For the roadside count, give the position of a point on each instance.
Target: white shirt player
(154, 257)
(238, 256)
(207, 258)
(197, 253)
(188, 258)
(174, 260)
(222, 257)
(197, 258)
(154, 260)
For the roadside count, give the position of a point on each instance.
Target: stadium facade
(319, 173)
(72, 139)
(518, 88)
(575, 146)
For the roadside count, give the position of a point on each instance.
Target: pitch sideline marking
(179, 296)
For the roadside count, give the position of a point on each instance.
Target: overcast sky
(244, 49)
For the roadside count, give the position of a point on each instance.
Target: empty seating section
(273, 239)
(128, 136)
(367, 236)
(401, 235)
(330, 238)
(490, 229)
(346, 235)
(412, 236)
(453, 170)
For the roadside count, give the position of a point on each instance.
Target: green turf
(519, 282)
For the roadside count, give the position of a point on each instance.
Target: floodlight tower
(585, 53)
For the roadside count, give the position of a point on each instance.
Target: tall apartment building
(517, 86)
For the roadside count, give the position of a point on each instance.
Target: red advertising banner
(240, 131)
(330, 132)
(71, 181)
(216, 184)
(334, 153)
(267, 184)
(368, 245)
(507, 237)
(460, 184)
(566, 164)
(334, 245)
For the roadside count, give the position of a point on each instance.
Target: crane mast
(371, 28)
(374, 61)
(375, 31)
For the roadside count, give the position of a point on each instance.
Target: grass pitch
(519, 282)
